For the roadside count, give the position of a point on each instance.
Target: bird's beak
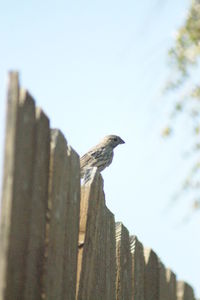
(122, 142)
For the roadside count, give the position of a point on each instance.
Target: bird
(101, 155)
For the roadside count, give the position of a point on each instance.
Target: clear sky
(97, 68)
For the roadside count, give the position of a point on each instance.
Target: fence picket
(35, 256)
(171, 281)
(184, 291)
(96, 260)
(17, 190)
(124, 260)
(137, 253)
(63, 219)
(151, 275)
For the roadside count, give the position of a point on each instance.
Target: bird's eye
(115, 139)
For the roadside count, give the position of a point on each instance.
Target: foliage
(184, 81)
(186, 50)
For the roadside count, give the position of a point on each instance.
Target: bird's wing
(91, 157)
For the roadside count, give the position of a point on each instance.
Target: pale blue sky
(97, 67)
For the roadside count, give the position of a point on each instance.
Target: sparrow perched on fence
(101, 155)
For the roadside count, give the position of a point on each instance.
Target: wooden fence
(58, 239)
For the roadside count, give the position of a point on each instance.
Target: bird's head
(112, 141)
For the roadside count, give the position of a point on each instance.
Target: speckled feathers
(101, 155)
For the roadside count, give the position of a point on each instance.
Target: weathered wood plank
(124, 261)
(17, 190)
(96, 259)
(151, 275)
(163, 286)
(98, 286)
(72, 226)
(111, 267)
(171, 281)
(89, 239)
(184, 291)
(8, 178)
(137, 268)
(35, 256)
(89, 208)
(62, 226)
